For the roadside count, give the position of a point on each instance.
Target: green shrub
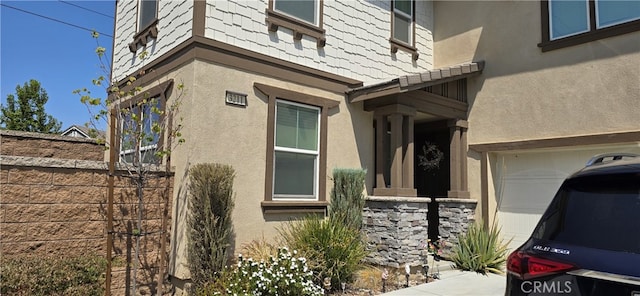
(347, 199)
(209, 221)
(283, 274)
(82, 275)
(334, 250)
(481, 250)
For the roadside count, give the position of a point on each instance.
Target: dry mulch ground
(368, 281)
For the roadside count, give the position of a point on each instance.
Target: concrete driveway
(455, 282)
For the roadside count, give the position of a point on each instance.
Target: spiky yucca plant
(480, 250)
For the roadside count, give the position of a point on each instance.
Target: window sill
(140, 39)
(396, 45)
(548, 45)
(275, 20)
(288, 207)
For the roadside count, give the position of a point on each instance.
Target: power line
(55, 20)
(87, 9)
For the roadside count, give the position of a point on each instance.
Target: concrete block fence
(54, 206)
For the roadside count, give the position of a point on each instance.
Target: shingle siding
(357, 34)
(357, 38)
(174, 27)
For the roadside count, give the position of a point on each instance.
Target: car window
(601, 211)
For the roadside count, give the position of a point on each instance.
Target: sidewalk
(455, 282)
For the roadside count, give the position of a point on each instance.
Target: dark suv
(588, 240)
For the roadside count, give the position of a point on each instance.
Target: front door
(432, 159)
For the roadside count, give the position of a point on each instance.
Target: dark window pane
(296, 127)
(302, 9)
(286, 125)
(148, 10)
(402, 29)
(150, 118)
(403, 5)
(294, 174)
(307, 128)
(149, 155)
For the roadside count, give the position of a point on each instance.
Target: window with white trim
(305, 10)
(147, 13)
(296, 151)
(140, 132)
(403, 21)
(570, 22)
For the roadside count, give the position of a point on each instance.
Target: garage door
(527, 181)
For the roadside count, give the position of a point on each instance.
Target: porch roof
(415, 81)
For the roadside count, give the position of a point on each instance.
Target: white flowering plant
(284, 274)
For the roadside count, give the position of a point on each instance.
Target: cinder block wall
(18, 143)
(58, 207)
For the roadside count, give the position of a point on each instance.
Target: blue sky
(61, 56)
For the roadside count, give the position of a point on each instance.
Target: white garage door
(527, 181)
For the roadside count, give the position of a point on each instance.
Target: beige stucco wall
(221, 133)
(524, 93)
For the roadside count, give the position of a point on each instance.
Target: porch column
(407, 160)
(458, 159)
(396, 150)
(381, 130)
(400, 146)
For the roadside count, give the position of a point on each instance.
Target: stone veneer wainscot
(397, 227)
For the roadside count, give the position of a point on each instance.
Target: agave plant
(481, 250)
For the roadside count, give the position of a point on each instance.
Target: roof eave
(413, 82)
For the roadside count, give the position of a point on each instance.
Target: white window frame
(276, 148)
(402, 14)
(316, 12)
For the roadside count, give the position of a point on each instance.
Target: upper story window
(147, 13)
(303, 17)
(571, 22)
(147, 24)
(610, 13)
(306, 10)
(403, 21)
(402, 27)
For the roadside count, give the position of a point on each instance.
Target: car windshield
(601, 211)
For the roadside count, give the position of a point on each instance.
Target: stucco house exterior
(286, 91)
(561, 84)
